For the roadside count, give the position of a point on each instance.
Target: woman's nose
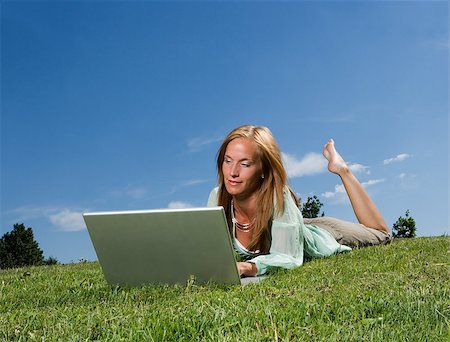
(234, 170)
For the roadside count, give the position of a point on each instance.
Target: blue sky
(122, 105)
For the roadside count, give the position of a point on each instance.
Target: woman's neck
(245, 209)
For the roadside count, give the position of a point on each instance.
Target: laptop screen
(163, 246)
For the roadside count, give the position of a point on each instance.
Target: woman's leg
(365, 210)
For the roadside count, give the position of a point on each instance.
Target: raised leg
(365, 210)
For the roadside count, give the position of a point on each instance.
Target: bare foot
(336, 164)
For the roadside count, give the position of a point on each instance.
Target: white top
(291, 239)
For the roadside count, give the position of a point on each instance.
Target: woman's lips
(232, 182)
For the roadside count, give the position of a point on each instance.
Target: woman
(266, 225)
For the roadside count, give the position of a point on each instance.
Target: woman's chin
(233, 192)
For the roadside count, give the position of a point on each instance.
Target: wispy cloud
(372, 182)
(192, 182)
(179, 205)
(408, 181)
(344, 119)
(399, 158)
(196, 144)
(64, 219)
(438, 44)
(312, 163)
(339, 190)
(133, 192)
(28, 212)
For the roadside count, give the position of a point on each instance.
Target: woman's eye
(245, 164)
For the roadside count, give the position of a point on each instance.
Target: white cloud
(358, 168)
(196, 144)
(338, 189)
(340, 193)
(312, 163)
(68, 220)
(399, 158)
(179, 205)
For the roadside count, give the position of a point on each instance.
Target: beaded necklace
(243, 227)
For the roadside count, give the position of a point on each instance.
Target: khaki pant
(349, 233)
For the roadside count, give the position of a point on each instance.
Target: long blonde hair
(272, 185)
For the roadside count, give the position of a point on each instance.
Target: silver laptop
(164, 246)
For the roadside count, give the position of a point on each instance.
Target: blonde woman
(266, 225)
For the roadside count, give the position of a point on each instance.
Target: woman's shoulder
(289, 196)
(213, 197)
(291, 210)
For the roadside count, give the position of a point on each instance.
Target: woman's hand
(247, 269)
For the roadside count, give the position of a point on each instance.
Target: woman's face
(241, 168)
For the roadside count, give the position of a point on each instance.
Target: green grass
(398, 292)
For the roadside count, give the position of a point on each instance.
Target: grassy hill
(398, 292)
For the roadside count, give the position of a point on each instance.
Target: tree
(405, 227)
(18, 248)
(51, 261)
(311, 208)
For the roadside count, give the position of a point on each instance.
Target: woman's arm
(275, 260)
(247, 269)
